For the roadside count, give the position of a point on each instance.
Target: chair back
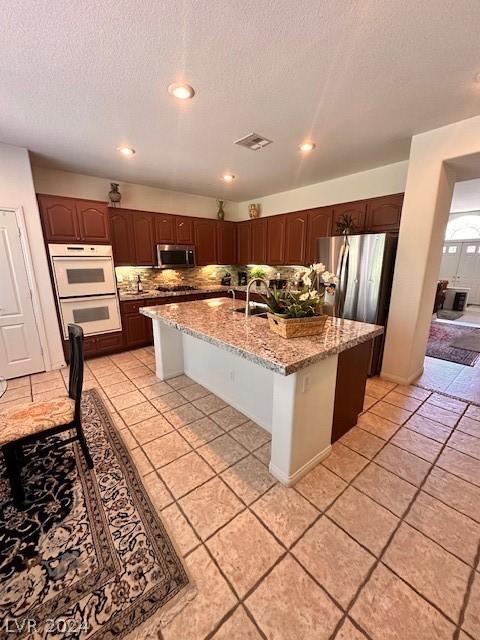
(75, 382)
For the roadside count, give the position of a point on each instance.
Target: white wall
(17, 190)
(134, 196)
(428, 196)
(381, 181)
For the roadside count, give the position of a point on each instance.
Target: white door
(450, 260)
(468, 273)
(20, 349)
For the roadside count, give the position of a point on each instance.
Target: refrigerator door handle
(342, 275)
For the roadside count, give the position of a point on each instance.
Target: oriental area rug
(88, 557)
(441, 343)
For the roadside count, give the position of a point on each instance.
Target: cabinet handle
(180, 224)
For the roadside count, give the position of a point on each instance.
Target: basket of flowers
(297, 311)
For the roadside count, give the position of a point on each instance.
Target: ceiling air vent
(253, 141)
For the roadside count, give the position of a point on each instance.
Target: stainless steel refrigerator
(364, 267)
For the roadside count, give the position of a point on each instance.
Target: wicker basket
(296, 327)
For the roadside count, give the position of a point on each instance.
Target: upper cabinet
(259, 230)
(356, 210)
(244, 242)
(68, 220)
(165, 228)
(144, 238)
(295, 237)
(319, 225)
(226, 242)
(184, 228)
(123, 245)
(205, 241)
(383, 214)
(276, 240)
(93, 221)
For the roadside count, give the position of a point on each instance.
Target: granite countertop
(123, 297)
(215, 321)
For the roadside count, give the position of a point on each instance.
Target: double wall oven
(86, 287)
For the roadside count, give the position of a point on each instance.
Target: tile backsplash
(197, 277)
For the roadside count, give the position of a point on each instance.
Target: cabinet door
(319, 225)
(226, 243)
(244, 242)
(93, 222)
(206, 242)
(184, 230)
(121, 229)
(144, 238)
(383, 214)
(60, 221)
(259, 241)
(136, 329)
(276, 240)
(164, 229)
(356, 210)
(295, 237)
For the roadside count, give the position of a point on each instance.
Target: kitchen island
(289, 387)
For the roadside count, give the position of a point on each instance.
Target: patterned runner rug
(440, 343)
(89, 557)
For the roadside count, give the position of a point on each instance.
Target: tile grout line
(388, 542)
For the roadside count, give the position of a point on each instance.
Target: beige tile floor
(380, 541)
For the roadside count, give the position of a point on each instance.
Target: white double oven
(86, 287)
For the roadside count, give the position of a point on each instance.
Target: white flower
(307, 281)
(329, 277)
(305, 296)
(318, 267)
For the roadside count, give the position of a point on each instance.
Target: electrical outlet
(306, 384)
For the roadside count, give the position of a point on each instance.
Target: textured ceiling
(359, 77)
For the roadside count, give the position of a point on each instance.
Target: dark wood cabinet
(319, 225)
(357, 210)
(206, 241)
(276, 240)
(72, 220)
(295, 237)
(165, 232)
(93, 221)
(184, 230)
(123, 245)
(59, 217)
(244, 242)
(259, 241)
(383, 214)
(136, 329)
(144, 238)
(226, 242)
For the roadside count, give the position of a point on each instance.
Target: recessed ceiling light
(181, 91)
(228, 177)
(307, 146)
(128, 152)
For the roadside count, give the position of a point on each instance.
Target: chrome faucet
(232, 291)
(249, 286)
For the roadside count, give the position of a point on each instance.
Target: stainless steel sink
(257, 310)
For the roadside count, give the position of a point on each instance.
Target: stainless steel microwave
(175, 256)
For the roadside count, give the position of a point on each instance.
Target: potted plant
(298, 310)
(257, 272)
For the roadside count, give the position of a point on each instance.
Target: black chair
(30, 422)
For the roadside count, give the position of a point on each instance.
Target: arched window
(463, 227)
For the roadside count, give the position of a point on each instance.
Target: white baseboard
(400, 379)
(289, 481)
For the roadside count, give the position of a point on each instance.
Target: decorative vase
(296, 327)
(220, 211)
(114, 194)
(253, 210)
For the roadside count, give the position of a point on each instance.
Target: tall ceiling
(359, 77)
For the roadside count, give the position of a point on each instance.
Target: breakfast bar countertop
(215, 321)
